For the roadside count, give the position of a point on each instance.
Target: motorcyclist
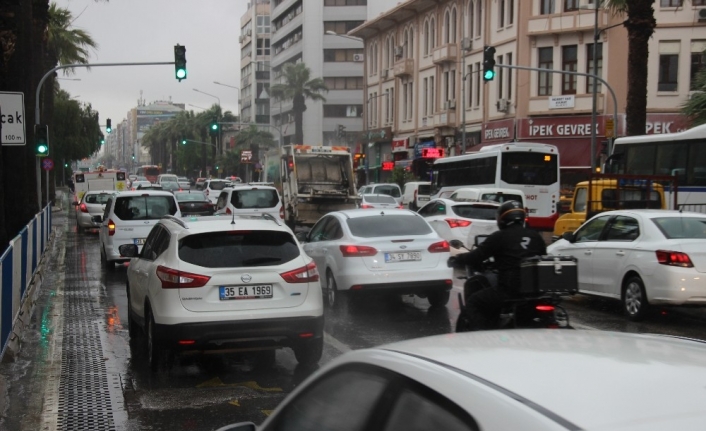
(507, 246)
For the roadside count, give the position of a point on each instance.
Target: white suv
(250, 200)
(217, 283)
(128, 219)
(212, 188)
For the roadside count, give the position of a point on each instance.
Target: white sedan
(460, 220)
(382, 251)
(640, 257)
(530, 380)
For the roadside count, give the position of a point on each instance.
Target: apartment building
(423, 83)
(314, 32)
(254, 92)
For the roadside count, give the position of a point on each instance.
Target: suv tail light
(674, 258)
(366, 206)
(174, 279)
(83, 208)
(281, 212)
(304, 274)
(454, 222)
(357, 250)
(439, 247)
(111, 227)
(228, 211)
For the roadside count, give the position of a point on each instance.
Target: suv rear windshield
(387, 190)
(479, 212)
(218, 185)
(388, 225)
(501, 197)
(144, 207)
(234, 249)
(379, 199)
(254, 198)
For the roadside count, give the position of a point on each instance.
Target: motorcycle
(540, 310)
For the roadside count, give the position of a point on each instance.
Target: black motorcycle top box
(549, 274)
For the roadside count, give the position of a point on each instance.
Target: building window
(432, 29)
(263, 24)
(569, 63)
(344, 83)
(410, 106)
(447, 27)
(546, 61)
(571, 5)
(501, 71)
(546, 7)
(469, 84)
(479, 17)
(589, 67)
(342, 111)
(341, 27)
(697, 64)
(454, 20)
(471, 17)
(670, 3)
(698, 2)
(668, 71)
(345, 3)
(477, 75)
(426, 38)
(501, 13)
(341, 55)
(263, 47)
(432, 96)
(510, 12)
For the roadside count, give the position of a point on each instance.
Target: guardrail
(18, 266)
(699, 208)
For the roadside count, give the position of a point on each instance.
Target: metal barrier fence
(18, 265)
(699, 208)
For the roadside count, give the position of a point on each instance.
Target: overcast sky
(138, 31)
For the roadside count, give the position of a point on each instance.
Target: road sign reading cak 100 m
(12, 118)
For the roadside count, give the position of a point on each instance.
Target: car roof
(654, 213)
(371, 213)
(593, 379)
(194, 224)
(247, 186)
(149, 192)
(99, 192)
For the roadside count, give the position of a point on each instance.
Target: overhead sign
(432, 153)
(245, 156)
(12, 118)
(47, 164)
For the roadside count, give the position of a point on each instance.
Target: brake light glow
(674, 258)
(83, 208)
(305, 274)
(281, 212)
(175, 279)
(186, 342)
(366, 206)
(544, 308)
(111, 227)
(400, 206)
(439, 247)
(228, 211)
(357, 250)
(454, 222)
(306, 335)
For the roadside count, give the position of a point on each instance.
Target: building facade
(423, 83)
(254, 93)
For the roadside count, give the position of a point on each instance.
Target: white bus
(530, 167)
(680, 154)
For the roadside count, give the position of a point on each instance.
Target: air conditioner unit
(384, 73)
(450, 104)
(358, 57)
(466, 44)
(702, 15)
(398, 51)
(248, 33)
(503, 105)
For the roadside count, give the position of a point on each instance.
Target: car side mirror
(569, 236)
(242, 426)
(478, 240)
(128, 250)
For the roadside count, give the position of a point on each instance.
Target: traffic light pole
(590, 75)
(37, 119)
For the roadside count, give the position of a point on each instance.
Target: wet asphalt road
(206, 392)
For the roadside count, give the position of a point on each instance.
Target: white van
(416, 194)
(475, 194)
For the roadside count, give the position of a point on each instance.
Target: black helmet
(510, 212)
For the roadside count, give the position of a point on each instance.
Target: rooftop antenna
(232, 221)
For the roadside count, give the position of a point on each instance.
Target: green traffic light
(214, 126)
(183, 142)
(181, 73)
(102, 141)
(42, 149)
(489, 74)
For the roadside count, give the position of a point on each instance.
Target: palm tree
(695, 107)
(640, 25)
(298, 87)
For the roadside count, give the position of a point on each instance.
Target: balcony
(404, 67)
(445, 54)
(445, 118)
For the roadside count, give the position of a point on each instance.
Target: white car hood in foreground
(596, 380)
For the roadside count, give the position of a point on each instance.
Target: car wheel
(331, 294)
(438, 299)
(635, 302)
(154, 354)
(309, 352)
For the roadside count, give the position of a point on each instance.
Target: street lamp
(200, 107)
(231, 86)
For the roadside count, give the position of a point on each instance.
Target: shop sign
(432, 153)
(501, 131)
(665, 123)
(399, 145)
(561, 102)
(388, 166)
(421, 145)
(558, 127)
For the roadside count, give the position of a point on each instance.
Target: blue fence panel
(35, 238)
(41, 243)
(6, 296)
(23, 262)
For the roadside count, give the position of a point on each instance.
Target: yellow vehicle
(612, 192)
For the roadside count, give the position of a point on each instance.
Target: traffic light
(183, 142)
(180, 62)
(41, 136)
(488, 63)
(108, 127)
(213, 128)
(133, 156)
(102, 141)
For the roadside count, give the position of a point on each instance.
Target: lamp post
(231, 86)
(200, 107)
(219, 107)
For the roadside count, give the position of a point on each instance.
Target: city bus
(151, 172)
(681, 155)
(532, 168)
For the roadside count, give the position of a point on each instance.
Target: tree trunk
(641, 24)
(298, 108)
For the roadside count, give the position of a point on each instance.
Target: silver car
(89, 211)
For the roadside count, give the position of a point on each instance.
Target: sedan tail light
(304, 274)
(228, 211)
(111, 227)
(366, 206)
(357, 250)
(281, 212)
(83, 208)
(174, 279)
(400, 206)
(454, 222)
(439, 247)
(674, 258)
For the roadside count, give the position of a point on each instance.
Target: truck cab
(611, 192)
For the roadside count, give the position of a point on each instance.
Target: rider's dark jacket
(508, 247)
